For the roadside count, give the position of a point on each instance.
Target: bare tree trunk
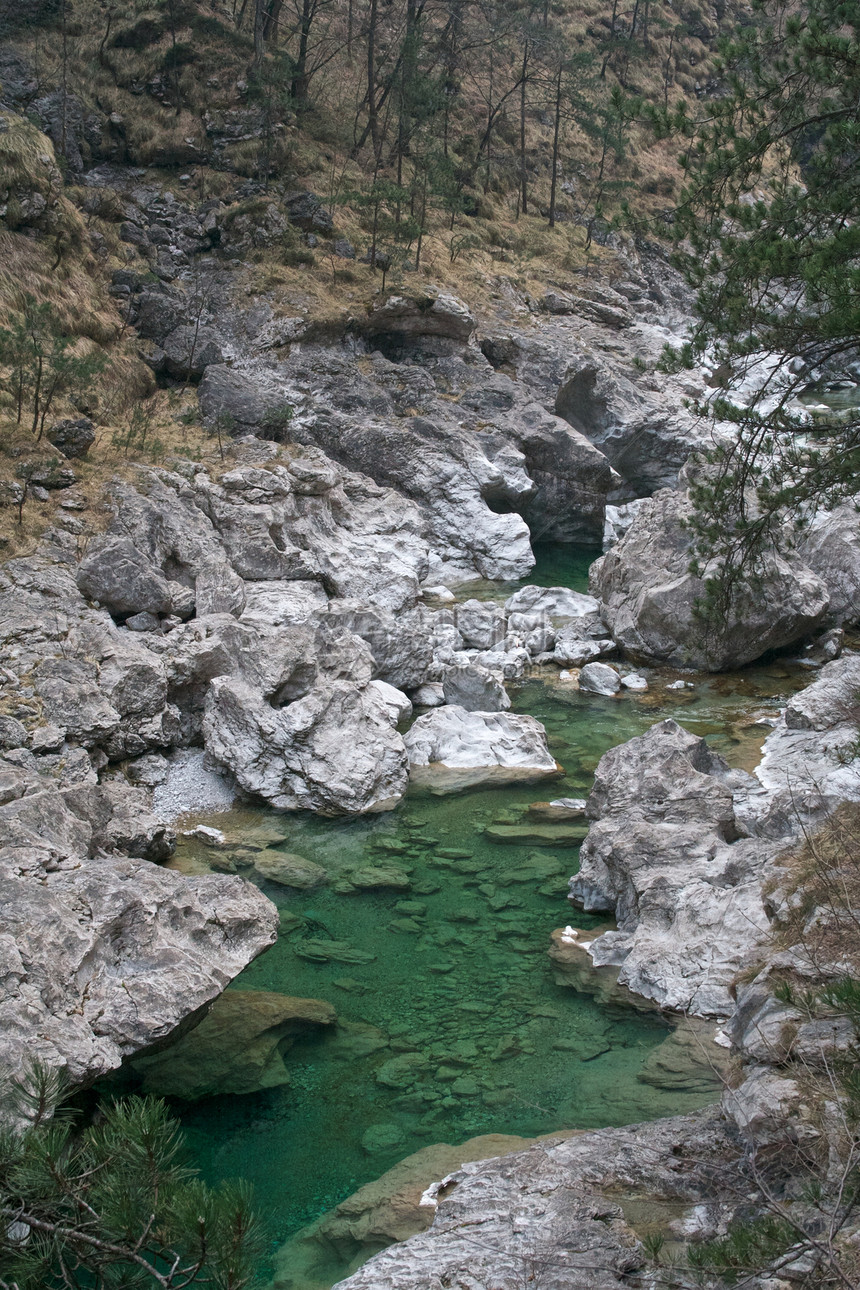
(408, 71)
(259, 33)
(273, 18)
(611, 45)
(523, 176)
(555, 137)
(667, 72)
(372, 107)
(299, 83)
(491, 116)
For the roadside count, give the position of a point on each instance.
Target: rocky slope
(286, 608)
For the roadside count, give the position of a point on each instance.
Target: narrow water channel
(451, 1021)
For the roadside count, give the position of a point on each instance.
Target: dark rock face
(645, 445)
(73, 438)
(158, 314)
(307, 212)
(75, 133)
(238, 1047)
(229, 394)
(434, 314)
(188, 350)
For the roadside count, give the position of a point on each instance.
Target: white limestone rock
(599, 678)
(451, 748)
(474, 688)
(335, 750)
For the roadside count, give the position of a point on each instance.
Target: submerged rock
(289, 870)
(238, 1047)
(450, 748)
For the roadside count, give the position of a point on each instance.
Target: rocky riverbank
(723, 905)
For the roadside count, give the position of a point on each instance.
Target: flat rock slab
(322, 951)
(561, 811)
(289, 870)
(541, 835)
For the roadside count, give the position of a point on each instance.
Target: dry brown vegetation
(820, 894)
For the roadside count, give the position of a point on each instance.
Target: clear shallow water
(456, 989)
(555, 566)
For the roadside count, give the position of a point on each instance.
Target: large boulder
(335, 750)
(809, 764)
(188, 350)
(118, 576)
(571, 476)
(450, 748)
(552, 1215)
(74, 438)
(831, 549)
(664, 854)
(218, 589)
(474, 688)
(391, 1208)
(481, 623)
(431, 313)
(104, 956)
(650, 596)
(401, 644)
(558, 603)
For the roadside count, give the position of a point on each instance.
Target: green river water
(458, 991)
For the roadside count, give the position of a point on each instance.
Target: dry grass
(821, 894)
(171, 429)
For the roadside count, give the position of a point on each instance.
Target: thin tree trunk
(488, 133)
(273, 18)
(555, 137)
(259, 33)
(407, 81)
(421, 222)
(666, 73)
(36, 396)
(611, 45)
(372, 107)
(523, 176)
(299, 83)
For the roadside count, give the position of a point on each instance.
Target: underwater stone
(289, 870)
